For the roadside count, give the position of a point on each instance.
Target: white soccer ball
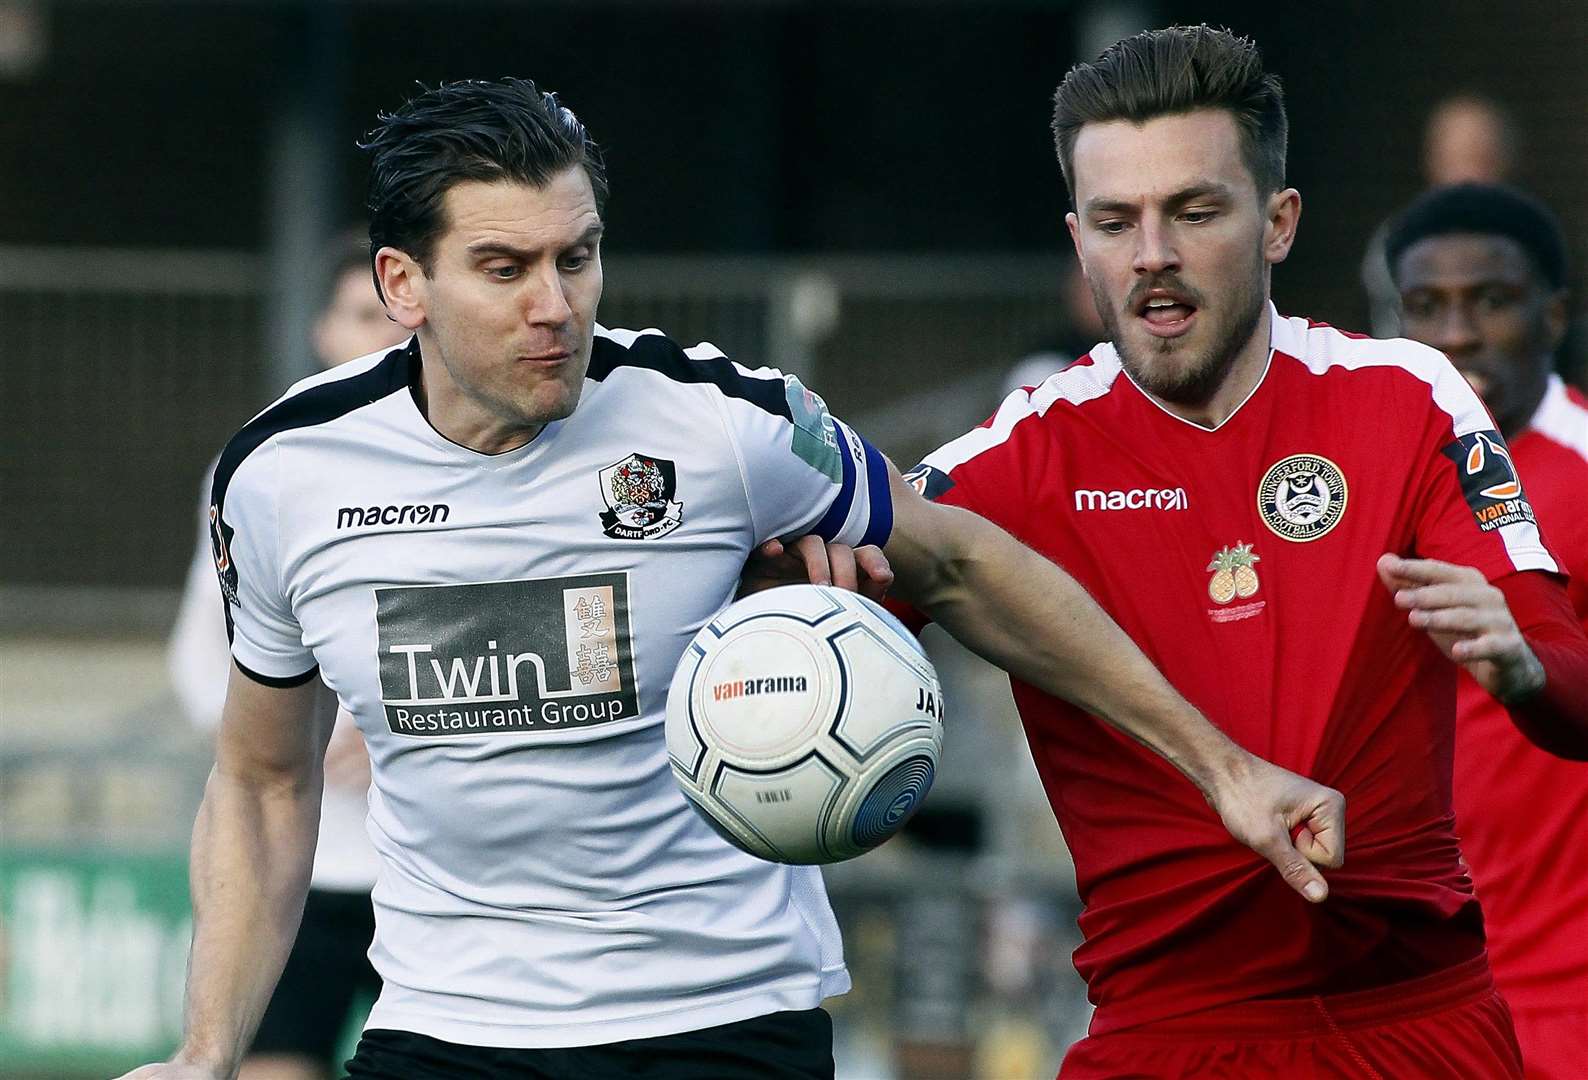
(805, 724)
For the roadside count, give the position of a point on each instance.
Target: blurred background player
(328, 970)
(1291, 486)
(1467, 139)
(1482, 276)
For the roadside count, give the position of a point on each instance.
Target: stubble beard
(512, 405)
(1196, 379)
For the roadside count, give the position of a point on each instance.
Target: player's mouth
(1166, 313)
(550, 359)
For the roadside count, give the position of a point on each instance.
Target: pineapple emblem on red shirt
(1233, 575)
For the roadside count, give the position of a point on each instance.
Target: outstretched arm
(1025, 614)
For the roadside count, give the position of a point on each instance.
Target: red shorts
(1451, 1025)
(1554, 1042)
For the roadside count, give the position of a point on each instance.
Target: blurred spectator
(327, 969)
(1482, 274)
(1467, 139)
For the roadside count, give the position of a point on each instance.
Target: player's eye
(1197, 217)
(505, 272)
(1495, 300)
(575, 261)
(1418, 307)
(1111, 228)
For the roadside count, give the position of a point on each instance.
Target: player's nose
(1456, 331)
(1155, 251)
(546, 302)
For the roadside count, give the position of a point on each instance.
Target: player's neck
(1520, 418)
(1239, 381)
(459, 418)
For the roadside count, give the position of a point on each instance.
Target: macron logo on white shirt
(1134, 499)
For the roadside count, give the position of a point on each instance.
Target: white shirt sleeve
(804, 471)
(267, 642)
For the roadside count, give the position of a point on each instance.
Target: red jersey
(1520, 811)
(1242, 561)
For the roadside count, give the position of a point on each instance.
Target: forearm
(253, 848)
(1554, 717)
(1023, 613)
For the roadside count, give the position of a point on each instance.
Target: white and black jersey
(504, 629)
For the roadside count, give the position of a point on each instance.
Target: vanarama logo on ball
(538, 655)
(772, 684)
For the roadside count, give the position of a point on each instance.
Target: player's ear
(404, 285)
(1556, 319)
(1073, 223)
(1282, 216)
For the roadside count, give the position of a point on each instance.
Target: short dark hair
(1176, 70)
(1486, 210)
(504, 129)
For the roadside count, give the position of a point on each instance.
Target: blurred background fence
(126, 370)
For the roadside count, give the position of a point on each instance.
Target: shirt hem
(805, 993)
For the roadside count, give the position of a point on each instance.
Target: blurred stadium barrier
(123, 373)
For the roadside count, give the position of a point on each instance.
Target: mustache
(1167, 282)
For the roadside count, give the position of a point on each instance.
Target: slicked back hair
(1177, 70)
(504, 129)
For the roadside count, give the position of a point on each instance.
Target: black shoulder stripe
(657, 353)
(317, 405)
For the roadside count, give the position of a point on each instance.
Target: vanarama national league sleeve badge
(1301, 497)
(639, 492)
(929, 482)
(220, 545)
(1489, 480)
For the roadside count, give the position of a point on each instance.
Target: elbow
(937, 582)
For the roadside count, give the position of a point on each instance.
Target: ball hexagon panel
(895, 684)
(775, 806)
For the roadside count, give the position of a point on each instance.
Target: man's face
(354, 323)
(506, 311)
(1478, 299)
(1176, 243)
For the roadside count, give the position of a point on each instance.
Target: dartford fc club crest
(639, 494)
(1301, 497)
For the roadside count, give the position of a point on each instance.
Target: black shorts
(778, 1046)
(326, 971)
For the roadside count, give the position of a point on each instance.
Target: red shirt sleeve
(1556, 718)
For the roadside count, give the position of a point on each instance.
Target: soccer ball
(805, 724)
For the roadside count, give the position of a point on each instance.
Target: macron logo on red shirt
(1134, 499)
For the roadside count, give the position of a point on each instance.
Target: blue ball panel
(891, 801)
